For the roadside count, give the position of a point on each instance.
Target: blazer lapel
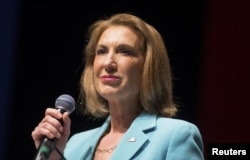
(94, 140)
(135, 138)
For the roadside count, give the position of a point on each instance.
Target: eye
(126, 50)
(101, 50)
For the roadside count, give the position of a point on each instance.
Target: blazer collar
(133, 139)
(95, 139)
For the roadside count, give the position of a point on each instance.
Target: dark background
(41, 58)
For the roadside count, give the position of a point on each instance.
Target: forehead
(116, 34)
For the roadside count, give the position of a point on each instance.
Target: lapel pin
(132, 139)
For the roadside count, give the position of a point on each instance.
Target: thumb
(66, 124)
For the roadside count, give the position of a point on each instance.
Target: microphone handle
(45, 148)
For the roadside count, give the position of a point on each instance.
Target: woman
(127, 78)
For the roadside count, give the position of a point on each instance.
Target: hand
(51, 127)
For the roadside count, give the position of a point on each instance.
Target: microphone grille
(65, 102)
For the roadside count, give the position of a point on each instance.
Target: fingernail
(58, 135)
(51, 135)
(61, 129)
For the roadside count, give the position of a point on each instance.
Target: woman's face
(118, 64)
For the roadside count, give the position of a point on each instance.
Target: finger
(53, 112)
(53, 125)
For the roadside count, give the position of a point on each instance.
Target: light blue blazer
(150, 137)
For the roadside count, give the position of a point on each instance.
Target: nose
(110, 63)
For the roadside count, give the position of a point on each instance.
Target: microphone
(64, 103)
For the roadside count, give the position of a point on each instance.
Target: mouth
(110, 79)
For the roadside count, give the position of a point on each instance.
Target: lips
(110, 79)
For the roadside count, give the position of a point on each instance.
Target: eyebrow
(120, 45)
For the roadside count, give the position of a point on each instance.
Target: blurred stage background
(41, 46)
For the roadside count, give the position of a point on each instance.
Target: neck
(121, 121)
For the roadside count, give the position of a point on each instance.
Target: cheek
(135, 73)
(96, 72)
(96, 67)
